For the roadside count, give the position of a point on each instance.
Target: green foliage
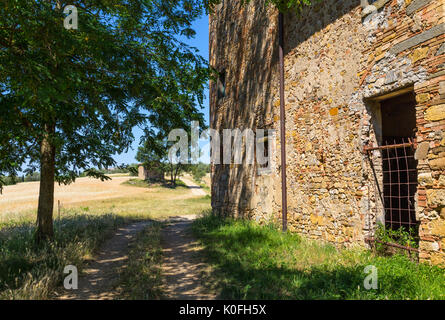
(198, 174)
(261, 262)
(132, 169)
(149, 184)
(12, 180)
(398, 236)
(286, 5)
(35, 176)
(8, 181)
(199, 171)
(86, 89)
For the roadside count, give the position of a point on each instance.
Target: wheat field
(24, 196)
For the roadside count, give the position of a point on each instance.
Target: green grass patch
(147, 184)
(203, 185)
(260, 262)
(142, 279)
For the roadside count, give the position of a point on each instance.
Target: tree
(154, 149)
(69, 98)
(199, 171)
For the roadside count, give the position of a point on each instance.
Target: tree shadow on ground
(75, 235)
(253, 262)
(274, 281)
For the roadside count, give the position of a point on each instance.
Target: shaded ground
(255, 262)
(183, 269)
(102, 275)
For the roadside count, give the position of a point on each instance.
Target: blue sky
(201, 42)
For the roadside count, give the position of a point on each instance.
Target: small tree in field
(154, 149)
(199, 171)
(69, 98)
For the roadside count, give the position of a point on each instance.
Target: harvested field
(24, 196)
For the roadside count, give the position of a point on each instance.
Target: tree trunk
(45, 230)
(171, 174)
(176, 173)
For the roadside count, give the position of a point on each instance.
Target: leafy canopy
(124, 66)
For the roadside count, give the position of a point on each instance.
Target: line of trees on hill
(12, 180)
(132, 169)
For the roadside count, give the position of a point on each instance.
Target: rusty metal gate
(399, 175)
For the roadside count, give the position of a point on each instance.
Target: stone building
(153, 173)
(365, 117)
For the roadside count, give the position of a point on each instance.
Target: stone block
(422, 97)
(438, 259)
(415, 5)
(422, 151)
(438, 228)
(436, 197)
(425, 179)
(437, 164)
(419, 54)
(435, 113)
(333, 111)
(418, 39)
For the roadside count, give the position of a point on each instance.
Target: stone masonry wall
(326, 184)
(406, 46)
(341, 58)
(244, 48)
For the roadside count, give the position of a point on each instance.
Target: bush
(401, 236)
(132, 169)
(32, 177)
(199, 171)
(8, 181)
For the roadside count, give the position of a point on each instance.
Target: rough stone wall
(142, 173)
(323, 120)
(153, 174)
(243, 41)
(340, 57)
(406, 45)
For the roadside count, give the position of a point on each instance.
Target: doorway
(399, 167)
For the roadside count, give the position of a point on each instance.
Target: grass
(147, 184)
(260, 262)
(31, 272)
(203, 185)
(142, 279)
(28, 271)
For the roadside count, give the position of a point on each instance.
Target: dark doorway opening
(399, 166)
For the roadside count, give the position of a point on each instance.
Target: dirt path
(102, 274)
(183, 270)
(196, 190)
